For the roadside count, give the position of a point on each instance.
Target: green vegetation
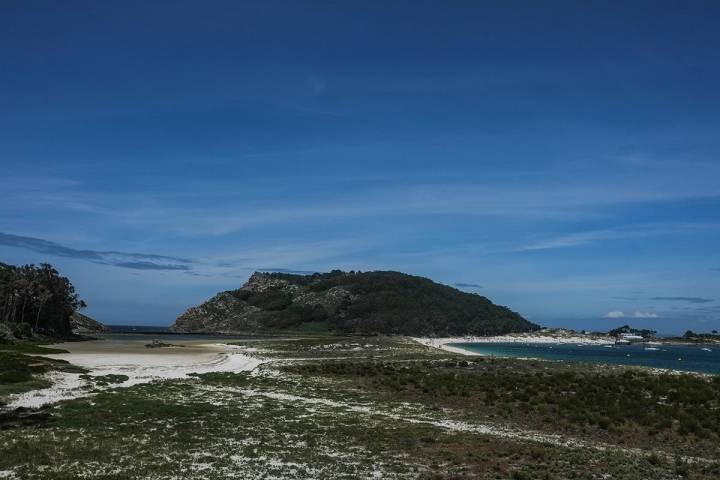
(691, 336)
(312, 328)
(396, 303)
(368, 303)
(21, 373)
(347, 407)
(230, 425)
(632, 405)
(26, 347)
(105, 380)
(35, 301)
(628, 329)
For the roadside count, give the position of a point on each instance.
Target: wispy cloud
(685, 299)
(467, 285)
(668, 299)
(582, 238)
(229, 266)
(637, 314)
(632, 231)
(137, 261)
(225, 209)
(150, 266)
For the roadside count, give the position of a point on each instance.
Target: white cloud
(637, 314)
(632, 231)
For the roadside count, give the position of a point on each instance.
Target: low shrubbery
(568, 398)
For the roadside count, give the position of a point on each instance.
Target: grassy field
(378, 407)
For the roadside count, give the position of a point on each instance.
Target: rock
(84, 325)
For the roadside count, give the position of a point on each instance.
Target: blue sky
(560, 158)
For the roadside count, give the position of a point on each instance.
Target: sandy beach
(136, 361)
(444, 343)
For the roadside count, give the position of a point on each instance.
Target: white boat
(651, 348)
(627, 338)
(706, 349)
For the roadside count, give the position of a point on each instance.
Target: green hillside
(381, 302)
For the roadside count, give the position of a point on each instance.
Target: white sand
(64, 387)
(443, 343)
(162, 363)
(138, 363)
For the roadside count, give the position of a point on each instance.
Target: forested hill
(350, 302)
(35, 300)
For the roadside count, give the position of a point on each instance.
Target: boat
(651, 348)
(706, 349)
(628, 338)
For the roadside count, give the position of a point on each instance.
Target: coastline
(443, 343)
(449, 344)
(134, 362)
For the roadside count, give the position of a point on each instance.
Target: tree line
(36, 300)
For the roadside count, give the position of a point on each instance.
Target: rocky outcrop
(350, 302)
(224, 313)
(84, 325)
(263, 303)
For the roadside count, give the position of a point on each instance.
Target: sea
(690, 358)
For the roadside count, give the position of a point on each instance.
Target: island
(370, 303)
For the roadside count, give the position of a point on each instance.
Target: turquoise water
(690, 358)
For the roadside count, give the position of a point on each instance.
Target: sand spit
(139, 364)
(443, 343)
